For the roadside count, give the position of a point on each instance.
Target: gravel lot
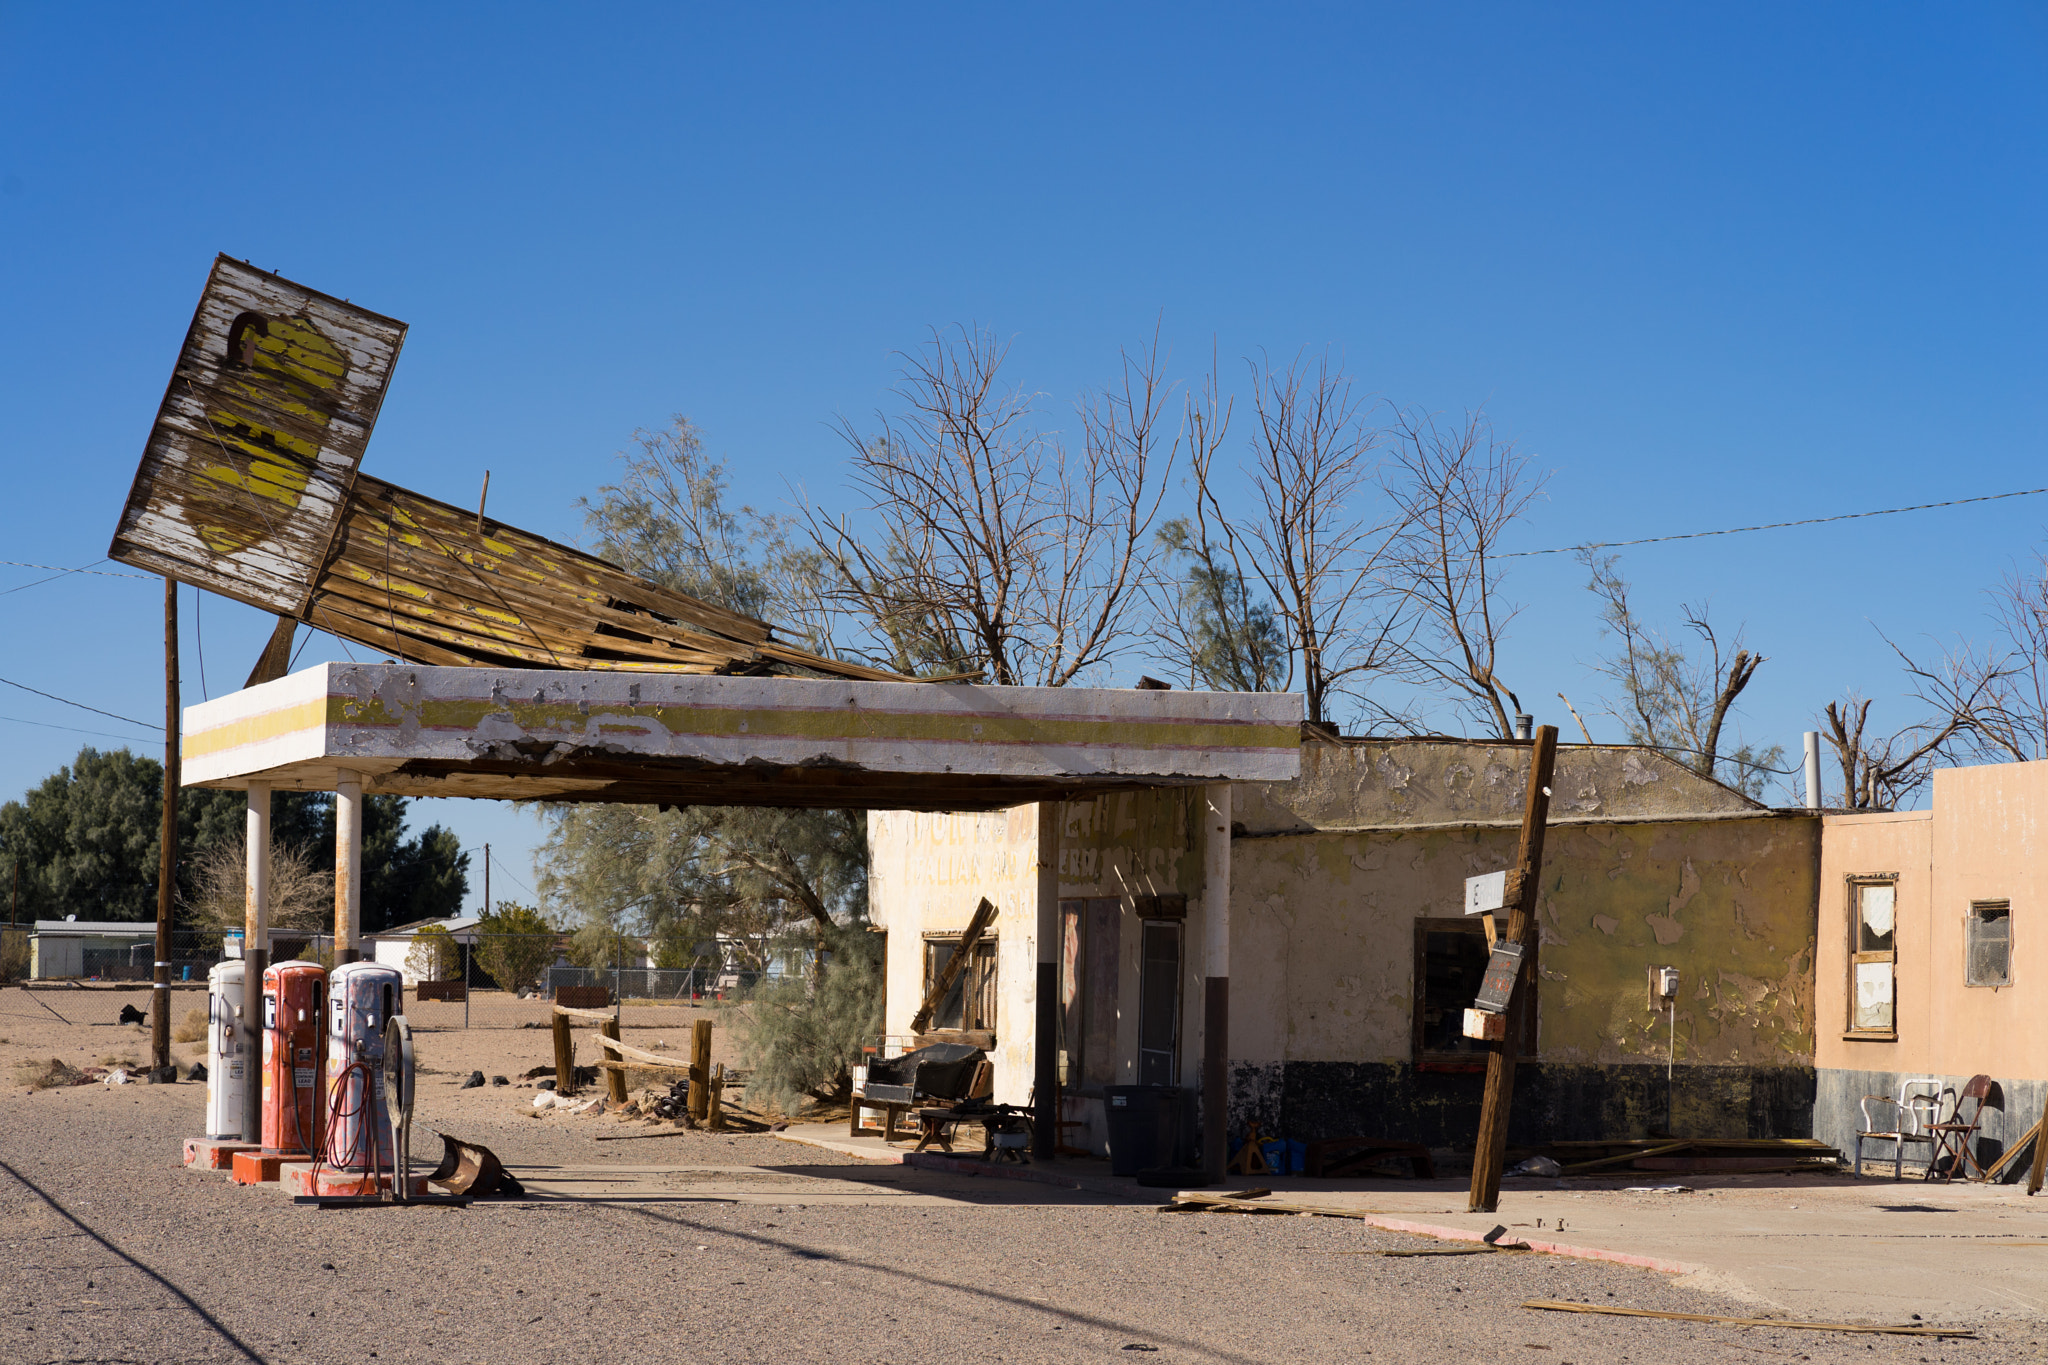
(112, 1252)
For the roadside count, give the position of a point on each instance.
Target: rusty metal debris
(250, 487)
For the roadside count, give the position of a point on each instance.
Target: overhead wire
(1768, 526)
(61, 570)
(81, 705)
(47, 725)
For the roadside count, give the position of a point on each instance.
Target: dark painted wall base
(1838, 1114)
(1310, 1100)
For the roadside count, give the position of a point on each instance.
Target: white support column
(1215, 976)
(255, 956)
(348, 866)
(1046, 1039)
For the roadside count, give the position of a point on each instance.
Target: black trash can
(1144, 1127)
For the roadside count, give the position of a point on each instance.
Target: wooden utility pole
(167, 857)
(1524, 886)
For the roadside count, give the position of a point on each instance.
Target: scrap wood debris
(1242, 1201)
(1567, 1306)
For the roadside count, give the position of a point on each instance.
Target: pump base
(298, 1179)
(256, 1167)
(214, 1154)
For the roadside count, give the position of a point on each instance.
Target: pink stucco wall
(1985, 838)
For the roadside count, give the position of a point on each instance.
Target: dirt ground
(694, 1246)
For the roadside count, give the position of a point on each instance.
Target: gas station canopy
(702, 739)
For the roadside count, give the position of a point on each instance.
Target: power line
(80, 705)
(499, 863)
(61, 570)
(1770, 526)
(103, 734)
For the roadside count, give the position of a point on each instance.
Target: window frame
(1971, 919)
(1855, 883)
(977, 986)
(1524, 1005)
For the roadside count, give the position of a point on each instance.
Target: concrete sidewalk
(1824, 1247)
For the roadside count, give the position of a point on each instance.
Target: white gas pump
(228, 1054)
(362, 998)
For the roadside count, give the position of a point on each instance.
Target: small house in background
(393, 947)
(1352, 962)
(114, 950)
(1929, 968)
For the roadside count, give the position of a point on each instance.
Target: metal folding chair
(1956, 1137)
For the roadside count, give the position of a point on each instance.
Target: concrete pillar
(1046, 1041)
(348, 867)
(255, 957)
(1215, 977)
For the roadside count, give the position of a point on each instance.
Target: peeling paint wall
(1323, 958)
(1423, 781)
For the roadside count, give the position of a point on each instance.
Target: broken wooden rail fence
(707, 1082)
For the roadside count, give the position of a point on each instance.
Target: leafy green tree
(802, 1038)
(434, 955)
(1231, 640)
(515, 944)
(87, 842)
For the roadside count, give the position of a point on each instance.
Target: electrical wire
(1769, 526)
(80, 705)
(499, 863)
(199, 639)
(103, 734)
(61, 570)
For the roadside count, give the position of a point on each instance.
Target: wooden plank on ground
(1566, 1306)
(1581, 1167)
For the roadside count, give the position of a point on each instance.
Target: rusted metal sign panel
(248, 469)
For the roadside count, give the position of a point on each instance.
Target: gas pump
(361, 998)
(226, 1056)
(293, 996)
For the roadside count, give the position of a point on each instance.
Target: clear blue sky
(1710, 267)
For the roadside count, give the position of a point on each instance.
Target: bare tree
(2010, 721)
(990, 548)
(1288, 594)
(1457, 489)
(1673, 701)
(1881, 772)
(301, 892)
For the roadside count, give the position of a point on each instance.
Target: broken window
(1159, 1004)
(971, 1003)
(1090, 957)
(1450, 962)
(1987, 944)
(1873, 955)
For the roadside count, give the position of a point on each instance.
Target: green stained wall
(1323, 935)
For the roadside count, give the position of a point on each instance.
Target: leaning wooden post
(614, 1079)
(1524, 887)
(2040, 1166)
(565, 1055)
(700, 1070)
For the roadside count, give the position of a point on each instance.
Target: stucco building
(1350, 957)
(1927, 968)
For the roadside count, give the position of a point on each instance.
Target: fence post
(700, 1070)
(614, 1081)
(565, 1055)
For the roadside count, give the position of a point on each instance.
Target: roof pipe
(1813, 770)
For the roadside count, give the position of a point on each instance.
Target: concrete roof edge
(1701, 817)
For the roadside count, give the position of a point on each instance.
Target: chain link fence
(625, 967)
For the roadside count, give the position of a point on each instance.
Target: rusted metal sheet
(248, 468)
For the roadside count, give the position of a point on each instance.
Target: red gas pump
(294, 994)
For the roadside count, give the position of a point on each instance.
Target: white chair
(1910, 1117)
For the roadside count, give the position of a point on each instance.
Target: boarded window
(1159, 1004)
(1450, 962)
(1090, 957)
(971, 1003)
(1987, 944)
(1873, 956)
